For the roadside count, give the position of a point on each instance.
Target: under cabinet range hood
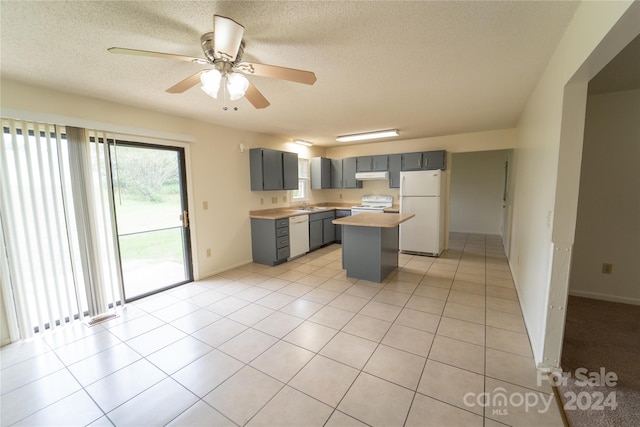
(372, 176)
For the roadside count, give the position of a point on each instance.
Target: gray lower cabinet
(269, 240)
(315, 234)
(328, 230)
(340, 213)
(321, 229)
(349, 173)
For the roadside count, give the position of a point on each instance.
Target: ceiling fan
(223, 49)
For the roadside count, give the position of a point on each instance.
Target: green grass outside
(162, 245)
(142, 217)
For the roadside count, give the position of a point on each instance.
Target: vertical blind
(59, 259)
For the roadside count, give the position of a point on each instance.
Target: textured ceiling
(427, 68)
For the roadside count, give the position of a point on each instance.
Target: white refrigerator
(422, 193)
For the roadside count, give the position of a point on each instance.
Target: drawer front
(283, 222)
(282, 242)
(321, 215)
(282, 232)
(283, 252)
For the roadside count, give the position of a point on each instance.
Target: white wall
(608, 222)
(546, 170)
(477, 188)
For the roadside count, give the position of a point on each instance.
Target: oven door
(358, 210)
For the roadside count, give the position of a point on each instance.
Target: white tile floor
(298, 344)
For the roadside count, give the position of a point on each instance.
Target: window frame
(304, 181)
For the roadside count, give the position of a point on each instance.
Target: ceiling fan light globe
(211, 82)
(237, 85)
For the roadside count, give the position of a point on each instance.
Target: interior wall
(545, 178)
(477, 189)
(608, 219)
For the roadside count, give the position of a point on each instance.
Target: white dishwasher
(298, 235)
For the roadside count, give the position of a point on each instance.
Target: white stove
(373, 203)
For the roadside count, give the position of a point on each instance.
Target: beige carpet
(601, 334)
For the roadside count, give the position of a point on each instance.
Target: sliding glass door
(151, 217)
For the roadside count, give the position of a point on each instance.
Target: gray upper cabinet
(273, 169)
(290, 170)
(424, 160)
(320, 173)
(349, 173)
(336, 173)
(411, 161)
(380, 163)
(395, 164)
(434, 160)
(364, 164)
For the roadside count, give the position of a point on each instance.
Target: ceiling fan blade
(185, 84)
(227, 36)
(256, 99)
(275, 72)
(136, 52)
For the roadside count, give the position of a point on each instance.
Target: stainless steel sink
(313, 208)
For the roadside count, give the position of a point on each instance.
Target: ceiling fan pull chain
(225, 98)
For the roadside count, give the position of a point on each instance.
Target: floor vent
(101, 318)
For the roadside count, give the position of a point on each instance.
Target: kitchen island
(370, 244)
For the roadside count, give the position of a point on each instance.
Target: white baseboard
(605, 297)
(222, 270)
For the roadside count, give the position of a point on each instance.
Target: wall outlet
(607, 268)
(261, 201)
(284, 199)
(274, 200)
(208, 252)
(341, 196)
(205, 205)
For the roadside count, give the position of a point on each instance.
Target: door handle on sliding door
(185, 219)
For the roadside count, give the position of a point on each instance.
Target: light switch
(205, 205)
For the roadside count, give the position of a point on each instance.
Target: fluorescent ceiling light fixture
(301, 142)
(368, 135)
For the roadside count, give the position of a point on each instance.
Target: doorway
(152, 220)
